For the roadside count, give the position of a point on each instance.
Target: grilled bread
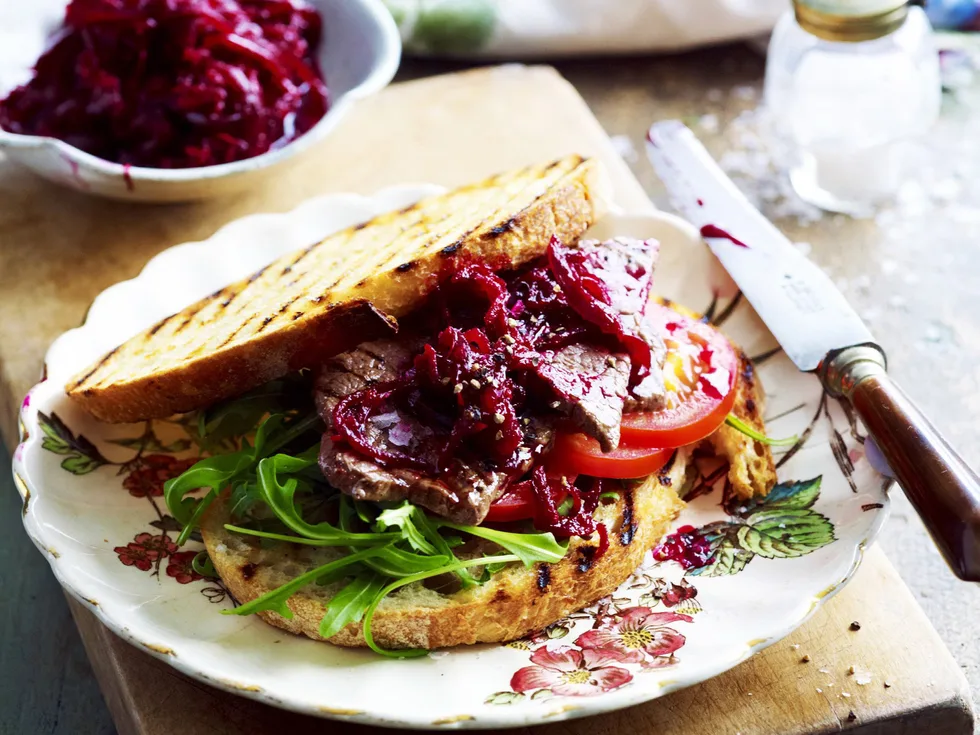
(751, 468)
(517, 600)
(324, 299)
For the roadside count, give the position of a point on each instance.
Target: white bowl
(359, 54)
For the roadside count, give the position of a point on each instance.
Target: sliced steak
(590, 384)
(462, 493)
(650, 394)
(625, 266)
(371, 362)
(627, 272)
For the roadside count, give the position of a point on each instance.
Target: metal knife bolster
(842, 369)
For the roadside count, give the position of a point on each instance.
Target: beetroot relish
(550, 493)
(175, 83)
(476, 386)
(686, 546)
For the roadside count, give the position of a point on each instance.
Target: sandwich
(455, 423)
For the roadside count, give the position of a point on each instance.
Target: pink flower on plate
(180, 568)
(145, 550)
(568, 672)
(636, 636)
(151, 472)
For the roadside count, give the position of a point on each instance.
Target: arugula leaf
(281, 498)
(203, 566)
(736, 423)
(223, 470)
(275, 600)
(398, 583)
(444, 545)
(364, 511)
(403, 517)
(215, 473)
(400, 563)
(244, 496)
(350, 604)
(239, 416)
(528, 547)
(339, 574)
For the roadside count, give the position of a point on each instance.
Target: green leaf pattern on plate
(81, 456)
(783, 525)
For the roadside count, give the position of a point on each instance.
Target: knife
(821, 333)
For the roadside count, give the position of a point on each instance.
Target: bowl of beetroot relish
(177, 100)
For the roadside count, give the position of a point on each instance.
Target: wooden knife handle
(943, 489)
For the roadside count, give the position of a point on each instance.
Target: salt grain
(709, 123)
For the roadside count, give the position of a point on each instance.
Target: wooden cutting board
(59, 249)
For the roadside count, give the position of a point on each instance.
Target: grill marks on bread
(270, 323)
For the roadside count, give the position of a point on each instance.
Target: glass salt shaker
(850, 85)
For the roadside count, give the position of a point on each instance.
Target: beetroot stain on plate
(76, 175)
(687, 546)
(715, 231)
(128, 178)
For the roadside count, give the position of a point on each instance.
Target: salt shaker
(851, 84)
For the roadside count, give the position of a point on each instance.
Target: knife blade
(819, 331)
(802, 307)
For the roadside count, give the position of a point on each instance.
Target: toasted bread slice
(516, 601)
(334, 294)
(751, 468)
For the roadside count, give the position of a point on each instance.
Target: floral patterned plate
(92, 504)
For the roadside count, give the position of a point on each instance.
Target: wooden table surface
(45, 684)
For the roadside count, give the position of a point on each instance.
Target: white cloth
(537, 28)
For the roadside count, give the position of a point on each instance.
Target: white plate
(358, 54)
(109, 542)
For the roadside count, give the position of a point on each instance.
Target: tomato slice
(514, 505)
(699, 374)
(578, 454)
